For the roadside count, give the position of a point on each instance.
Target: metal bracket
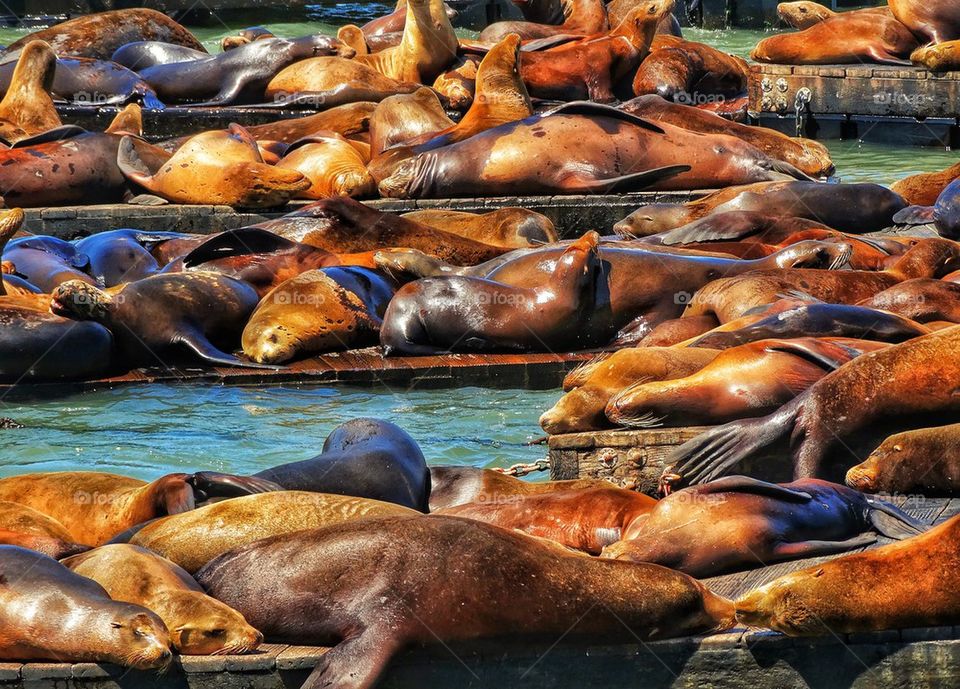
(801, 109)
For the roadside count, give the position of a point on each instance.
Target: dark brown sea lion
(854, 208)
(590, 387)
(580, 18)
(52, 614)
(481, 315)
(342, 225)
(198, 624)
(895, 385)
(922, 300)
(318, 311)
(847, 38)
(737, 523)
(944, 215)
(690, 73)
(810, 156)
(27, 108)
(166, 316)
(509, 228)
(400, 118)
(194, 538)
(618, 9)
(586, 519)
(922, 461)
(747, 380)
(46, 269)
(272, 579)
(236, 76)
(394, 21)
(99, 35)
(830, 598)
(934, 21)
(94, 506)
(923, 189)
(457, 485)
(117, 256)
(26, 527)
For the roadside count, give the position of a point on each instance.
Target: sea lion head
(812, 253)
(258, 185)
(201, 625)
(651, 219)
(813, 158)
(640, 24)
(139, 635)
(407, 179)
(780, 606)
(249, 35)
(876, 471)
(81, 301)
(802, 15)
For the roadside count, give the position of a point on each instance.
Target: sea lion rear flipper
(216, 484)
(239, 242)
(801, 549)
(67, 131)
(203, 348)
(914, 215)
(635, 181)
(355, 662)
(745, 484)
(151, 102)
(586, 107)
(893, 522)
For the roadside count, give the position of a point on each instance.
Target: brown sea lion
(737, 523)
(830, 598)
(846, 38)
(333, 166)
(803, 14)
(458, 83)
(922, 461)
(245, 36)
(895, 385)
(748, 380)
(923, 300)
(580, 18)
(690, 73)
(99, 35)
(509, 228)
(938, 57)
(24, 526)
(94, 506)
(318, 311)
(27, 108)
(194, 538)
(198, 624)
(394, 21)
(807, 155)
(400, 118)
(52, 614)
(166, 315)
(618, 9)
(590, 387)
(924, 189)
(584, 520)
(457, 485)
(332, 81)
(676, 330)
(215, 167)
(854, 208)
(934, 21)
(371, 615)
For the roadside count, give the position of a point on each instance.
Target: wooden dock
(876, 103)
(910, 658)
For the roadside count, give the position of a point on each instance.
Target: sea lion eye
(216, 632)
(116, 625)
(138, 633)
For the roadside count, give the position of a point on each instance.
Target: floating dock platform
(875, 103)
(914, 658)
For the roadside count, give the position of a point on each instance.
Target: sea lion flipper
(355, 662)
(801, 549)
(819, 357)
(204, 349)
(914, 215)
(745, 484)
(67, 131)
(147, 200)
(633, 182)
(239, 242)
(586, 107)
(217, 484)
(893, 522)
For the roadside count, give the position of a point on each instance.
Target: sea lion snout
(147, 638)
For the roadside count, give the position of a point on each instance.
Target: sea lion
(26, 108)
(809, 156)
(744, 381)
(938, 57)
(194, 538)
(846, 38)
(690, 73)
(99, 35)
(236, 76)
(618, 9)
(138, 55)
(95, 506)
(590, 387)
(944, 215)
(894, 385)
(921, 461)
(395, 21)
(400, 118)
(579, 18)
(737, 523)
(855, 208)
(586, 519)
(332, 164)
(458, 83)
(469, 314)
(117, 256)
(198, 624)
(165, 316)
(332, 81)
(245, 36)
(343, 225)
(508, 228)
(923, 189)
(317, 311)
(26, 527)
(830, 598)
(220, 168)
(52, 614)
(803, 14)
(922, 300)
(418, 598)
(458, 485)
(935, 21)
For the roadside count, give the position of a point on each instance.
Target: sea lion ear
(175, 494)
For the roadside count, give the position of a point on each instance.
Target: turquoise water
(148, 430)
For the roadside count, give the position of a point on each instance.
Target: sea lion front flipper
(635, 181)
(589, 108)
(892, 522)
(801, 549)
(355, 662)
(219, 485)
(914, 215)
(67, 131)
(239, 242)
(204, 349)
(745, 484)
(718, 227)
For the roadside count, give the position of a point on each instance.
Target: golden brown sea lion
(923, 461)
(332, 164)
(925, 188)
(803, 14)
(194, 538)
(428, 46)
(509, 228)
(198, 624)
(458, 83)
(26, 527)
(94, 507)
(457, 485)
(403, 117)
(27, 108)
(911, 584)
(216, 167)
(331, 81)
